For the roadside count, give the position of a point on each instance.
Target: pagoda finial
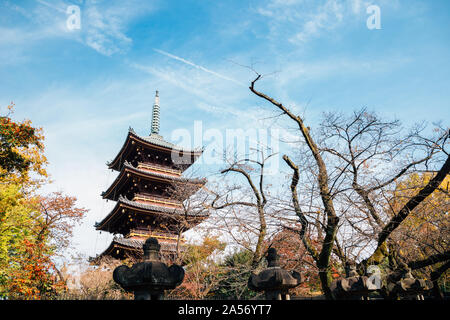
(155, 115)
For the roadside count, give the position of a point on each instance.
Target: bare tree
(323, 257)
(242, 203)
(353, 165)
(194, 209)
(92, 282)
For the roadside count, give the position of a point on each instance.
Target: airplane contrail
(197, 66)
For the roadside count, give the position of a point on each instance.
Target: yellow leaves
(410, 187)
(34, 154)
(199, 253)
(14, 219)
(379, 254)
(426, 227)
(21, 152)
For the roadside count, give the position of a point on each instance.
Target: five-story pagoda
(150, 191)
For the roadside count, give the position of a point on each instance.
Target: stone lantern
(148, 279)
(353, 286)
(402, 284)
(274, 280)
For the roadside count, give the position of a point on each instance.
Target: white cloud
(356, 6)
(327, 17)
(103, 23)
(303, 20)
(103, 31)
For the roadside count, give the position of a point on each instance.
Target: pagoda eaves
(128, 172)
(121, 248)
(114, 221)
(153, 142)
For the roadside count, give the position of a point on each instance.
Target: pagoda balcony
(130, 176)
(158, 201)
(156, 168)
(116, 220)
(143, 233)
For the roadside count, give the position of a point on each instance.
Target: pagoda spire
(155, 115)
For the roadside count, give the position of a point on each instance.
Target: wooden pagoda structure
(149, 192)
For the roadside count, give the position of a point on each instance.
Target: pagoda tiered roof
(109, 223)
(131, 246)
(113, 192)
(153, 142)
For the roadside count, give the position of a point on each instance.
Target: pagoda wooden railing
(158, 235)
(158, 168)
(157, 200)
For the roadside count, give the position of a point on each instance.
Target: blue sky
(86, 86)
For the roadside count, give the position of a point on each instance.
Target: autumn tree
(33, 226)
(294, 256)
(21, 151)
(56, 217)
(15, 217)
(422, 240)
(202, 271)
(85, 281)
(35, 275)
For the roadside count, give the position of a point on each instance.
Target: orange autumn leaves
(35, 279)
(34, 228)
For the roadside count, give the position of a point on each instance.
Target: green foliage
(21, 150)
(235, 272)
(13, 136)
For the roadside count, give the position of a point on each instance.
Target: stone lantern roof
(274, 280)
(149, 279)
(353, 286)
(402, 284)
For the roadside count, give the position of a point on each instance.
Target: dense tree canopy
(32, 226)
